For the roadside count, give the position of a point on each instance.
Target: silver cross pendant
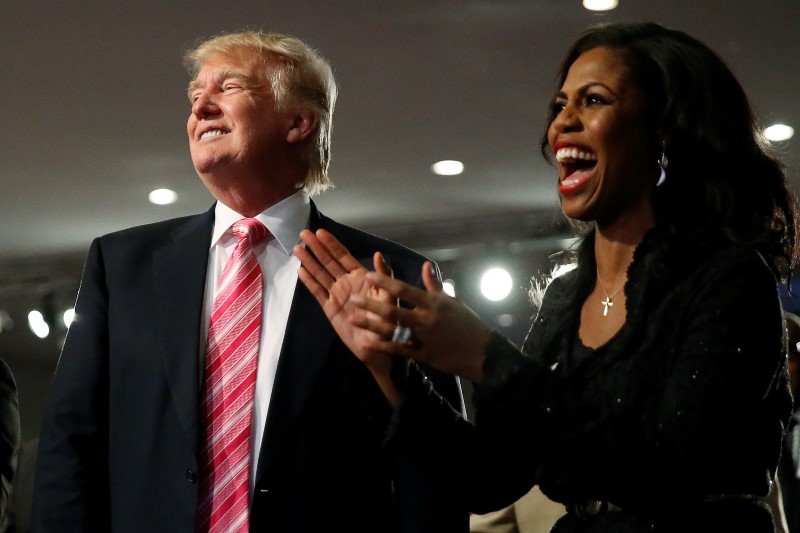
(606, 304)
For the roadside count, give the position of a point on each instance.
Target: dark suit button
(191, 476)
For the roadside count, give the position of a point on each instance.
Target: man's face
(233, 127)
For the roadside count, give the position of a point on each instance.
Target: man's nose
(204, 106)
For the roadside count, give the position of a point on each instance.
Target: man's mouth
(212, 133)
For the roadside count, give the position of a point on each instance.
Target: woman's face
(605, 153)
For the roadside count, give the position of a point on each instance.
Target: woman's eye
(594, 99)
(557, 107)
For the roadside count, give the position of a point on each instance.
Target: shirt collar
(284, 220)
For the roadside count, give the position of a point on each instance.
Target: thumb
(430, 278)
(380, 264)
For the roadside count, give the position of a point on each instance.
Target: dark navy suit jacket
(120, 441)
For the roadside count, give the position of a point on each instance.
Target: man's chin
(208, 164)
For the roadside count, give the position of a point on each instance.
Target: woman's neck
(613, 251)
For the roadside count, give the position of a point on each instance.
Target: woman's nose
(567, 120)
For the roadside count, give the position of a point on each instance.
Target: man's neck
(250, 192)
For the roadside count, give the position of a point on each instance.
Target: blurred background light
(449, 287)
(600, 5)
(69, 316)
(496, 284)
(448, 168)
(38, 325)
(779, 132)
(162, 196)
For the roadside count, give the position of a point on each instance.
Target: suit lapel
(306, 346)
(179, 272)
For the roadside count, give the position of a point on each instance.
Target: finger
(313, 286)
(381, 328)
(313, 268)
(382, 311)
(391, 348)
(398, 289)
(324, 257)
(380, 264)
(429, 278)
(338, 251)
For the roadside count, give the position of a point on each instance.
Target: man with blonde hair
(201, 388)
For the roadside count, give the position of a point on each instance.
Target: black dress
(673, 425)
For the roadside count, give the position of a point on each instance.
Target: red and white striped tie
(229, 387)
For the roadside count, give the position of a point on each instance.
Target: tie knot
(250, 229)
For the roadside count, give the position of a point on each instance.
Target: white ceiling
(93, 94)
(94, 109)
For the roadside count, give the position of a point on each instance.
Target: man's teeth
(574, 153)
(212, 133)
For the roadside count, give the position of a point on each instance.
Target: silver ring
(402, 334)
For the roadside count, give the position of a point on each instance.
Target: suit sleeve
(9, 433)
(71, 487)
(428, 498)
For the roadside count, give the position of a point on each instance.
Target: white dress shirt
(279, 268)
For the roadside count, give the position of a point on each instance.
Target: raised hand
(334, 277)
(445, 333)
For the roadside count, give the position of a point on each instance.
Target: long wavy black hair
(722, 179)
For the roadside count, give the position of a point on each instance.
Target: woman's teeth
(575, 154)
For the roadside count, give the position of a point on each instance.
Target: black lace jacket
(686, 403)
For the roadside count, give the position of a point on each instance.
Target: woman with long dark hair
(651, 393)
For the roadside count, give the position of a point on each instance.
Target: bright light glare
(449, 287)
(560, 270)
(600, 5)
(496, 284)
(37, 324)
(69, 316)
(448, 168)
(163, 196)
(505, 320)
(779, 132)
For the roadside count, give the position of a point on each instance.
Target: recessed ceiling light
(69, 316)
(448, 168)
(496, 284)
(38, 325)
(163, 196)
(779, 132)
(600, 5)
(449, 287)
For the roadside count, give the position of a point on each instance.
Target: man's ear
(304, 124)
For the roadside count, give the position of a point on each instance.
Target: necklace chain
(609, 301)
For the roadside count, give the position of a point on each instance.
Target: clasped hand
(364, 309)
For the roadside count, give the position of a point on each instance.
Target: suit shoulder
(147, 230)
(155, 233)
(406, 264)
(362, 243)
